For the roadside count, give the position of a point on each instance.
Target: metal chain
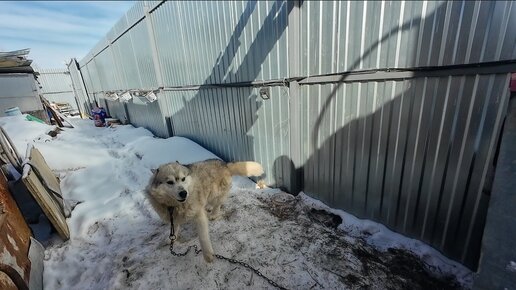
(245, 265)
(197, 251)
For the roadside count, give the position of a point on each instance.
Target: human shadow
(398, 149)
(220, 117)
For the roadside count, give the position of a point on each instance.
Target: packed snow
(118, 241)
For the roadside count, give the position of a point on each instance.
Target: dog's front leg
(204, 236)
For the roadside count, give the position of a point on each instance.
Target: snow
(23, 132)
(118, 241)
(511, 267)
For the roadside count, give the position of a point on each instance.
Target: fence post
(81, 86)
(155, 58)
(152, 40)
(296, 180)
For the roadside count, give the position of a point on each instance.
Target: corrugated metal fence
(83, 101)
(56, 86)
(388, 110)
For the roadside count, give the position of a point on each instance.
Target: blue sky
(56, 31)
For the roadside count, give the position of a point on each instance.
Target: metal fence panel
(341, 36)
(54, 80)
(106, 70)
(414, 154)
(87, 79)
(235, 123)
(148, 116)
(143, 56)
(221, 42)
(56, 86)
(94, 77)
(79, 88)
(116, 110)
(68, 97)
(127, 67)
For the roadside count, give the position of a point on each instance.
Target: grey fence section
(116, 110)
(340, 36)
(19, 90)
(234, 123)
(83, 100)
(371, 106)
(56, 86)
(416, 155)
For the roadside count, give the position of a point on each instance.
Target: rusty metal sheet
(6, 283)
(14, 237)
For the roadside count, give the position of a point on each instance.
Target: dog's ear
(177, 162)
(188, 170)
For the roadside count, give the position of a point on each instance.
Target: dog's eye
(183, 179)
(170, 182)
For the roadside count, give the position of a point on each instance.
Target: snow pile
(118, 242)
(21, 131)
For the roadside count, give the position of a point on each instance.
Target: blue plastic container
(15, 111)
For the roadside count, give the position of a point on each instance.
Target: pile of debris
(31, 208)
(15, 61)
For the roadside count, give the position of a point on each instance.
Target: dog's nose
(182, 194)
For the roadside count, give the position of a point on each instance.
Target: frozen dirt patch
(118, 242)
(350, 258)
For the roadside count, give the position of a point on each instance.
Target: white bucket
(13, 111)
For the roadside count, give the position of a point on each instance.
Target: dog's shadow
(189, 231)
(227, 214)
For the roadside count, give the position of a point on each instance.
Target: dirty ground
(118, 242)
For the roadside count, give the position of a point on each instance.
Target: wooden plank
(53, 112)
(52, 206)
(60, 115)
(37, 159)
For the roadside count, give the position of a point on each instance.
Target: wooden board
(52, 206)
(53, 112)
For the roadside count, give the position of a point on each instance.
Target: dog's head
(171, 181)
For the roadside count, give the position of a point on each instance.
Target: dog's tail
(247, 168)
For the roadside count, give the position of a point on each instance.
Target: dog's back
(215, 166)
(213, 177)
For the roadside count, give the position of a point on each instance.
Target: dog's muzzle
(182, 195)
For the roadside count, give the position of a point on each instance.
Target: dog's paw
(181, 240)
(208, 257)
(215, 217)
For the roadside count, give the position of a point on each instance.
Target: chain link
(245, 265)
(197, 251)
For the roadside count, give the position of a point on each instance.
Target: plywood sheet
(38, 174)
